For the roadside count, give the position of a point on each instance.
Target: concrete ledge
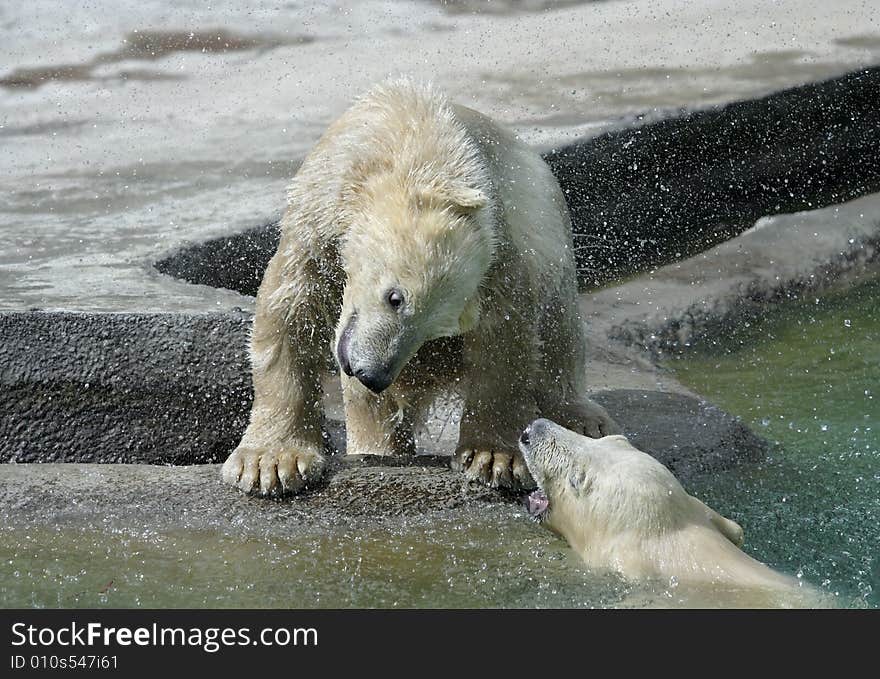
(647, 196)
(176, 389)
(169, 388)
(780, 258)
(193, 497)
(689, 436)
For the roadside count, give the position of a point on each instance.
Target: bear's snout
(374, 378)
(533, 431)
(373, 375)
(343, 347)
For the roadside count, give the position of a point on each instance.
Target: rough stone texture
(688, 435)
(782, 258)
(193, 497)
(234, 262)
(644, 196)
(175, 389)
(168, 388)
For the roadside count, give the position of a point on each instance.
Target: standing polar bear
(432, 251)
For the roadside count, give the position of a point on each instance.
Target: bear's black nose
(376, 381)
(524, 437)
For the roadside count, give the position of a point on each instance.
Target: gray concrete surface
(193, 497)
(153, 124)
(175, 389)
(171, 388)
(780, 258)
(690, 436)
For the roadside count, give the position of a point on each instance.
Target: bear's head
(414, 261)
(594, 490)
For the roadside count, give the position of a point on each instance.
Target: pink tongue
(537, 503)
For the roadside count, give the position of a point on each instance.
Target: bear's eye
(394, 299)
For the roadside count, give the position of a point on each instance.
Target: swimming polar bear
(433, 251)
(622, 510)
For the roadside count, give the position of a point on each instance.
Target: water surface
(492, 559)
(806, 377)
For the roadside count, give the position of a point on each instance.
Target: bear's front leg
(497, 407)
(282, 449)
(375, 424)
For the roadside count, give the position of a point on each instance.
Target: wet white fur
(409, 190)
(620, 509)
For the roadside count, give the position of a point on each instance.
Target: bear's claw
(493, 468)
(272, 472)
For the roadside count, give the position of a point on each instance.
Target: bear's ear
(467, 198)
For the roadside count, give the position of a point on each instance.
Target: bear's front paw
(272, 471)
(494, 468)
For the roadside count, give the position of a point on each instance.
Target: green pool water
(807, 378)
(491, 559)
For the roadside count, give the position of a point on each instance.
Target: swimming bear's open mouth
(537, 504)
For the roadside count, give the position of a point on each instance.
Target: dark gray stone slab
(646, 196)
(193, 497)
(175, 389)
(163, 388)
(688, 435)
